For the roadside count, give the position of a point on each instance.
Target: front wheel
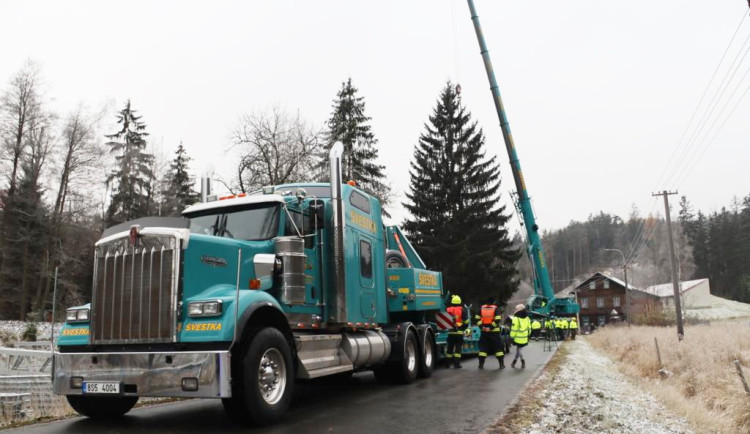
(102, 407)
(263, 391)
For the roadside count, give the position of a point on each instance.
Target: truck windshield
(251, 224)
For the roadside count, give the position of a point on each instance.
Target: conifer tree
(132, 178)
(349, 125)
(456, 222)
(179, 192)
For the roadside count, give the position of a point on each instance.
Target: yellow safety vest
(573, 324)
(536, 325)
(520, 329)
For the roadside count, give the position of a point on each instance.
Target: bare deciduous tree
(20, 106)
(275, 148)
(80, 153)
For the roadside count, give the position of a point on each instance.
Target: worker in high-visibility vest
(536, 329)
(549, 328)
(489, 321)
(558, 329)
(564, 326)
(455, 341)
(573, 326)
(520, 329)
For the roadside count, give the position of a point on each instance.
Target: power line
(717, 96)
(703, 96)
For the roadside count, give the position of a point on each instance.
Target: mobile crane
(543, 302)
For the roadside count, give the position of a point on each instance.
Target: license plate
(101, 388)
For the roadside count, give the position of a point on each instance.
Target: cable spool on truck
(244, 295)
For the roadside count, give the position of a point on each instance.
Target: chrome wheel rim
(411, 355)
(428, 352)
(272, 376)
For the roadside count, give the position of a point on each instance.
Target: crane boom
(544, 300)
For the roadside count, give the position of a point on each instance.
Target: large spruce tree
(179, 192)
(132, 178)
(457, 222)
(349, 125)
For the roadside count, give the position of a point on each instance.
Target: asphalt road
(464, 400)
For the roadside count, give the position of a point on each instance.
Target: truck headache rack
(135, 290)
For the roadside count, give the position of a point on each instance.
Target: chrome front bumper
(147, 374)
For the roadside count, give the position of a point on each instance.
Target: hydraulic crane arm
(544, 301)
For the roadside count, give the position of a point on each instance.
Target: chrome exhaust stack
(338, 310)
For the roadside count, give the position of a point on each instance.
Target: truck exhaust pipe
(338, 313)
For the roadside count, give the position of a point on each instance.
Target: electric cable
(703, 96)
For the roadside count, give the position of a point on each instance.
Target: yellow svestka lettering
(427, 279)
(202, 327)
(362, 221)
(76, 332)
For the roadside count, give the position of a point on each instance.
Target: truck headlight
(77, 315)
(204, 308)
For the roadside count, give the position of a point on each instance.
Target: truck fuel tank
(291, 252)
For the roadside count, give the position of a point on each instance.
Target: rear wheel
(409, 365)
(262, 391)
(102, 407)
(427, 359)
(405, 370)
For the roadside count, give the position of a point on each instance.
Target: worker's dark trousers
(573, 333)
(489, 344)
(453, 350)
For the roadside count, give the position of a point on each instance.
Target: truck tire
(263, 391)
(428, 355)
(408, 367)
(402, 371)
(394, 259)
(102, 407)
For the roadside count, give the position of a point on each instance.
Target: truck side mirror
(318, 213)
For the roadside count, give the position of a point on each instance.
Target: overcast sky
(598, 93)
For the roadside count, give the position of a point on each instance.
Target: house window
(585, 321)
(599, 301)
(616, 301)
(601, 320)
(592, 285)
(585, 303)
(606, 284)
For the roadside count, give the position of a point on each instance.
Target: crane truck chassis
(241, 297)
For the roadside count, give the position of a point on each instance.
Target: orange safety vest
(488, 314)
(457, 314)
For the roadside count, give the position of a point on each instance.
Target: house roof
(667, 290)
(601, 276)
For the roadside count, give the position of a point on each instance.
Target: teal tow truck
(242, 297)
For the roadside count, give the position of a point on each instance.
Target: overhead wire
(707, 115)
(641, 237)
(715, 135)
(702, 98)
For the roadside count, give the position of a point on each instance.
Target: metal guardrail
(18, 358)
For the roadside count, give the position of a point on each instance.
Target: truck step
(320, 355)
(329, 371)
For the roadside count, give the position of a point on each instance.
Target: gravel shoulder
(582, 392)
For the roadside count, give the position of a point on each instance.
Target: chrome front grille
(135, 290)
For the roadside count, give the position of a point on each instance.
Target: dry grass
(703, 385)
